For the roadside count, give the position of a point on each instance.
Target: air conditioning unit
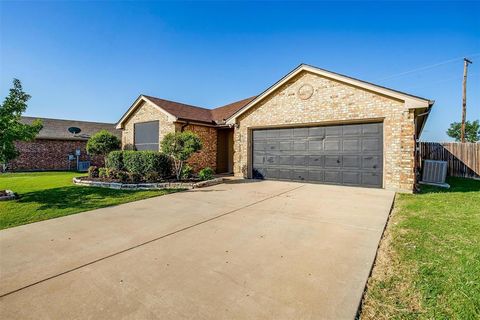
(434, 173)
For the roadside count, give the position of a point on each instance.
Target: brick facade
(46, 154)
(146, 112)
(207, 157)
(334, 102)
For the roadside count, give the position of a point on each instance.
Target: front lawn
(428, 264)
(48, 195)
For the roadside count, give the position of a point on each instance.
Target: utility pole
(464, 98)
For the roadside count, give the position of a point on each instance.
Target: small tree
(472, 131)
(180, 146)
(102, 143)
(11, 129)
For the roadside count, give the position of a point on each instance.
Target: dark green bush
(152, 177)
(122, 176)
(115, 160)
(206, 173)
(135, 177)
(142, 162)
(187, 172)
(93, 172)
(102, 173)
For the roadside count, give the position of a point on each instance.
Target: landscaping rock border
(148, 186)
(10, 195)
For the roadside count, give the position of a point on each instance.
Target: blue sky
(90, 60)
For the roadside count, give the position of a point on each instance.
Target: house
(312, 125)
(55, 143)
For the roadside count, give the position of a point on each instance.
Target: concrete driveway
(251, 250)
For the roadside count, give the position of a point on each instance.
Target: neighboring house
(51, 148)
(312, 125)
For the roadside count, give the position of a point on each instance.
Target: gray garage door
(341, 154)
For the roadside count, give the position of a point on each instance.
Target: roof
(411, 101)
(186, 112)
(228, 113)
(58, 128)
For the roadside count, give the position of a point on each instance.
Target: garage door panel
(372, 162)
(371, 179)
(258, 158)
(316, 132)
(332, 144)
(300, 145)
(332, 161)
(316, 161)
(285, 145)
(371, 144)
(333, 177)
(316, 175)
(372, 128)
(332, 131)
(340, 154)
(300, 132)
(351, 145)
(351, 178)
(299, 174)
(315, 145)
(352, 162)
(300, 160)
(352, 130)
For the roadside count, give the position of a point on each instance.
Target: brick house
(51, 148)
(312, 125)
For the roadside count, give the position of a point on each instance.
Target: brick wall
(207, 157)
(335, 102)
(43, 154)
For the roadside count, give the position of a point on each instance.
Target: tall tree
(11, 128)
(472, 131)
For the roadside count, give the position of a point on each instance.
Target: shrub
(187, 171)
(102, 142)
(102, 173)
(152, 177)
(123, 176)
(93, 172)
(180, 146)
(115, 160)
(142, 162)
(111, 173)
(134, 177)
(206, 173)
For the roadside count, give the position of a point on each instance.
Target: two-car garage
(348, 154)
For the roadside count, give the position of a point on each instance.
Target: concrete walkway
(253, 250)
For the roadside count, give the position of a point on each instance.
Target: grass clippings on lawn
(428, 264)
(47, 195)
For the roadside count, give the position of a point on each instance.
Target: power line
(426, 67)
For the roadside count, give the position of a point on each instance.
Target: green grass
(428, 265)
(48, 195)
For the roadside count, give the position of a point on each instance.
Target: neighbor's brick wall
(43, 154)
(335, 101)
(207, 157)
(146, 112)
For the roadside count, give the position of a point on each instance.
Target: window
(146, 135)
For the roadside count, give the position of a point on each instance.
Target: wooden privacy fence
(463, 158)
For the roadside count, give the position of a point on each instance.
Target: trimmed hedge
(140, 162)
(115, 160)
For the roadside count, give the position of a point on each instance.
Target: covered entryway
(349, 154)
(225, 150)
